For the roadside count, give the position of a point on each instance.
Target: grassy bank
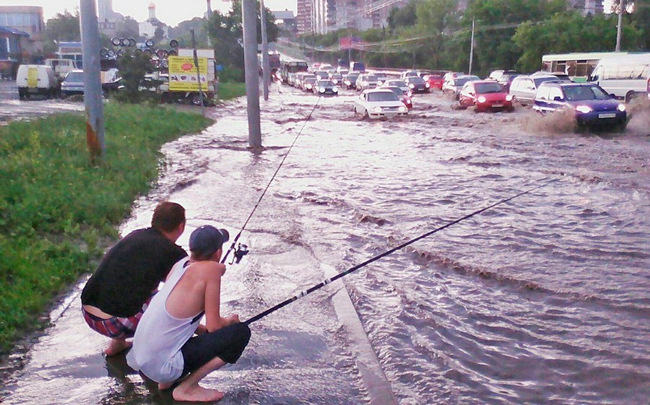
(230, 90)
(56, 208)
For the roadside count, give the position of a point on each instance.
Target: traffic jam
(387, 93)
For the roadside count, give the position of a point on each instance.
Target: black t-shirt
(131, 271)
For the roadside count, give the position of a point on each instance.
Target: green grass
(230, 90)
(56, 208)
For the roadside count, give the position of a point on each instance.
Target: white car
(379, 103)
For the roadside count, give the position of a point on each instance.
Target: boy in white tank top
(164, 346)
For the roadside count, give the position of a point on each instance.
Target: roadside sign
(219, 68)
(182, 73)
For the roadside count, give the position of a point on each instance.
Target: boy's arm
(214, 320)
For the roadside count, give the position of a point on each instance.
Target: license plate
(497, 105)
(32, 90)
(607, 115)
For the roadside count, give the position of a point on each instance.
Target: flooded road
(11, 108)
(542, 300)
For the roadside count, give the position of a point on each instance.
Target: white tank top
(159, 336)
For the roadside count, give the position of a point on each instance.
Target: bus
(624, 76)
(292, 67)
(578, 66)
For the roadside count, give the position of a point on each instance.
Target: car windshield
(383, 96)
(544, 79)
(335, 76)
(485, 88)
(415, 80)
(322, 73)
(325, 83)
(75, 77)
(576, 93)
(461, 81)
(395, 83)
(352, 78)
(309, 80)
(371, 79)
(398, 92)
(409, 74)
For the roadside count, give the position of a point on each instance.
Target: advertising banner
(182, 74)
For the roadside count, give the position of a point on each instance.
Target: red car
(403, 95)
(435, 81)
(485, 95)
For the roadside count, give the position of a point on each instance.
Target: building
(304, 17)
(11, 50)
(148, 28)
(110, 22)
(332, 15)
(286, 21)
(27, 19)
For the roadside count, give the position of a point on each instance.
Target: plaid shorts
(115, 327)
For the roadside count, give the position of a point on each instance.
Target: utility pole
(471, 50)
(251, 73)
(209, 16)
(266, 73)
(619, 27)
(198, 72)
(91, 44)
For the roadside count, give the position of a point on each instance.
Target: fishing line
(242, 250)
(386, 253)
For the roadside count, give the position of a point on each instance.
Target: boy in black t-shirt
(117, 294)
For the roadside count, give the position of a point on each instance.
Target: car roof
(484, 82)
(379, 90)
(558, 83)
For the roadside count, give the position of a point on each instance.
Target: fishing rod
(241, 250)
(386, 253)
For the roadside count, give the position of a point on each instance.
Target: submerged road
(543, 300)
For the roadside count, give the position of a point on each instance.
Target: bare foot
(117, 346)
(197, 394)
(165, 386)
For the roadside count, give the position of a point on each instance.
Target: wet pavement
(11, 108)
(541, 300)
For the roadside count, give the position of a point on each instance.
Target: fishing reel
(239, 253)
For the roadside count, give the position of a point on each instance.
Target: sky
(168, 11)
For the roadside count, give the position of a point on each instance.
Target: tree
(130, 29)
(133, 67)
(63, 27)
(403, 16)
(158, 34)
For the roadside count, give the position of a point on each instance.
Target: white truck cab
(61, 67)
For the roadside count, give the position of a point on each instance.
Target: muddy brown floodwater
(542, 300)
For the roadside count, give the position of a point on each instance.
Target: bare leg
(117, 346)
(190, 390)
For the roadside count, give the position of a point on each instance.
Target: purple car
(592, 105)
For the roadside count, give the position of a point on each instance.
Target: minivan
(36, 80)
(625, 76)
(590, 103)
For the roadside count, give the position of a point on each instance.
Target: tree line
(509, 34)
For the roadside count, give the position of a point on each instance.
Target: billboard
(182, 74)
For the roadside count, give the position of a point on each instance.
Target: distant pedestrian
(164, 347)
(119, 291)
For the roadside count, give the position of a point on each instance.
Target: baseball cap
(206, 239)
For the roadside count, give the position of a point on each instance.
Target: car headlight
(621, 107)
(508, 97)
(321, 89)
(482, 99)
(335, 81)
(412, 85)
(427, 84)
(347, 82)
(309, 86)
(402, 109)
(410, 94)
(335, 89)
(376, 109)
(584, 109)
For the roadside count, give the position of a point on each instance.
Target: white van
(625, 76)
(36, 79)
(61, 67)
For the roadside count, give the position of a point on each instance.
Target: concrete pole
(249, 15)
(266, 73)
(198, 73)
(90, 45)
(471, 50)
(208, 14)
(619, 27)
